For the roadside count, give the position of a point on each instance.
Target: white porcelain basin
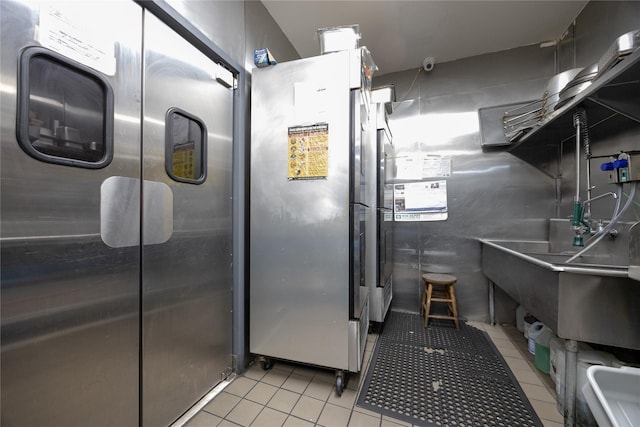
(613, 395)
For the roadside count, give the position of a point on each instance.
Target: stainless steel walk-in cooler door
(69, 301)
(186, 280)
(115, 276)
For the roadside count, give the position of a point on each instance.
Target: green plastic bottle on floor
(542, 355)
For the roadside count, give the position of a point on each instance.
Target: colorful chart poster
(308, 152)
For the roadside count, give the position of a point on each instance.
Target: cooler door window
(186, 147)
(65, 111)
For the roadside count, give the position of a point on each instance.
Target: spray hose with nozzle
(578, 223)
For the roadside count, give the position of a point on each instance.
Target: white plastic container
(529, 319)
(535, 330)
(613, 395)
(556, 347)
(520, 313)
(542, 354)
(334, 39)
(558, 354)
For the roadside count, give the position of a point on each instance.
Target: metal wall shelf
(611, 101)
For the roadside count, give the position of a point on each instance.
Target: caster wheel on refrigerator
(339, 383)
(266, 363)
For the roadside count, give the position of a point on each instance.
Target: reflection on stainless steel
(621, 47)
(119, 212)
(580, 82)
(490, 193)
(308, 237)
(186, 289)
(535, 253)
(381, 169)
(555, 86)
(441, 126)
(520, 120)
(494, 193)
(67, 134)
(69, 303)
(71, 296)
(634, 252)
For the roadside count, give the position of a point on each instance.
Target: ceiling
(400, 34)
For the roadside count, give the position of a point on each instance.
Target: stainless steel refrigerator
(308, 210)
(379, 278)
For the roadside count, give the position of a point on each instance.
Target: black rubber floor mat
(442, 377)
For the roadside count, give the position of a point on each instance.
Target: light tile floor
(291, 395)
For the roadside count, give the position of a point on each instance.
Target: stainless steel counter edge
(554, 267)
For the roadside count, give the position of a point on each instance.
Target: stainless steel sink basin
(583, 261)
(591, 299)
(537, 252)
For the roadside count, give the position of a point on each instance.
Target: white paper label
(64, 29)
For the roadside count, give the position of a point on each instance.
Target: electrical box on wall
(625, 167)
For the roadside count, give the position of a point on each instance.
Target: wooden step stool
(445, 293)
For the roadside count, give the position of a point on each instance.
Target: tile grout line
(265, 405)
(519, 347)
(288, 374)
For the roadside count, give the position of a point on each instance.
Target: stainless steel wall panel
(221, 22)
(599, 25)
(634, 252)
(601, 145)
(262, 31)
(492, 193)
(406, 269)
(69, 302)
(490, 71)
(489, 193)
(186, 342)
(596, 28)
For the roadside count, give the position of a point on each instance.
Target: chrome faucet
(597, 226)
(583, 224)
(610, 193)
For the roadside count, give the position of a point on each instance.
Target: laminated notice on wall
(422, 166)
(420, 201)
(308, 151)
(435, 166)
